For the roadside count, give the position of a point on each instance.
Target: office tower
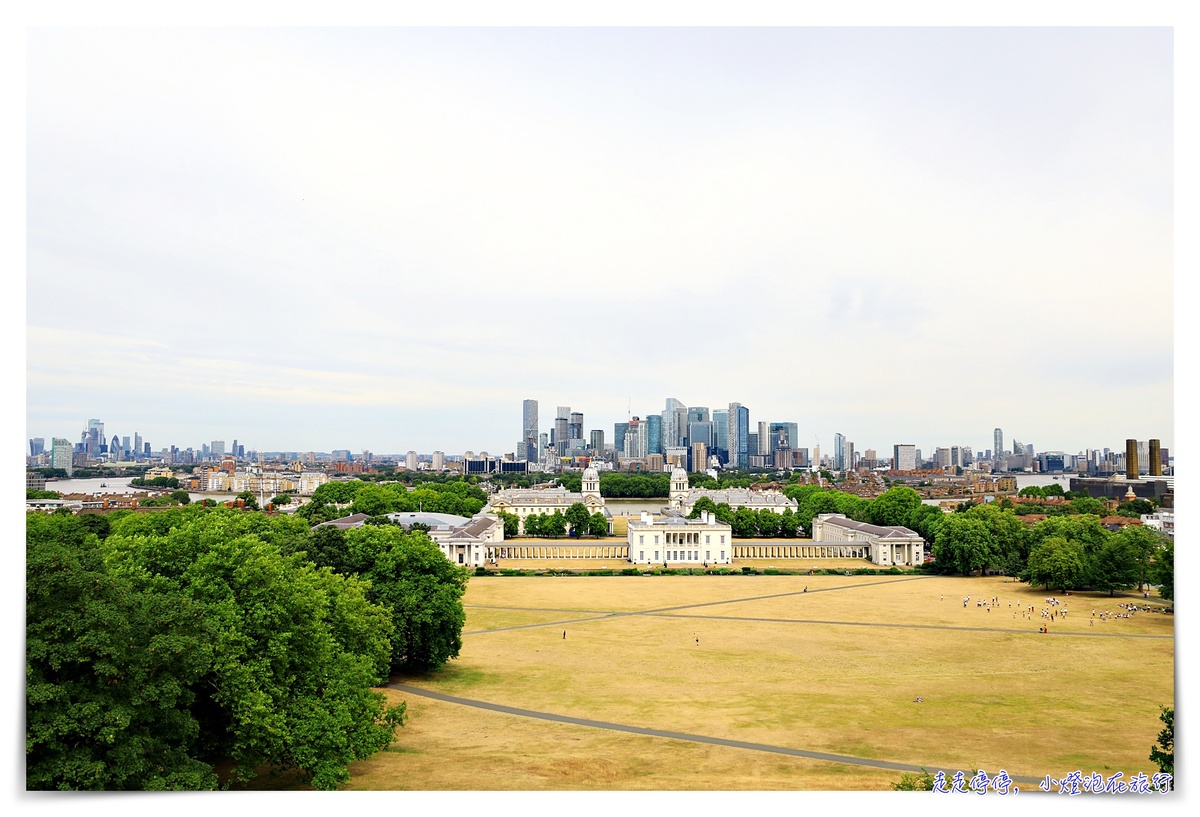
(529, 426)
(839, 452)
(635, 439)
(790, 429)
(598, 442)
(562, 421)
(765, 441)
(997, 446)
(904, 457)
(36, 446)
(941, 458)
(720, 435)
(1131, 459)
(697, 414)
(751, 445)
(217, 449)
(700, 432)
(671, 430)
(1143, 459)
(114, 447)
(60, 454)
(739, 435)
(699, 454)
(654, 431)
(850, 463)
(125, 444)
(1156, 460)
(137, 444)
(575, 426)
(619, 430)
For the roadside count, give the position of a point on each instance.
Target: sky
(387, 238)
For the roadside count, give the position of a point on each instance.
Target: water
(1023, 481)
(115, 485)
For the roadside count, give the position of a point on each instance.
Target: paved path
(660, 733)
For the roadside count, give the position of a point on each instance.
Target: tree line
(163, 647)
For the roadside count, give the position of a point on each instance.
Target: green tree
(32, 493)
(1115, 566)
(181, 497)
(1058, 562)
(577, 517)
(281, 499)
(412, 579)
(1145, 543)
(745, 523)
(598, 524)
(1163, 754)
(914, 781)
(701, 505)
(554, 525)
(512, 524)
(963, 544)
(1086, 505)
(1135, 508)
(108, 671)
(894, 506)
(767, 522)
(250, 503)
(789, 524)
(1162, 571)
(374, 500)
(533, 524)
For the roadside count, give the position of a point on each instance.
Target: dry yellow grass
(836, 672)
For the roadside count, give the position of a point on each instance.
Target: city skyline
(321, 238)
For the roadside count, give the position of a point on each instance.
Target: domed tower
(591, 482)
(679, 488)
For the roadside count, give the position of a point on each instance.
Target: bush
(482, 571)
(749, 571)
(630, 571)
(770, 571)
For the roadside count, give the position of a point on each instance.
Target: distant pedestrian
(564, 635)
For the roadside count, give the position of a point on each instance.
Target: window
(641, 540)
(656, 538)
(722, 555)
(722, 538)
(641, 555)
(708, 555)
(656, 555)
(707, 539)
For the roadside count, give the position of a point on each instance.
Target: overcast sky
(386, 239)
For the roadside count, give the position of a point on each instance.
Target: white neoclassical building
(883, 544)
(468, 542)
(674, 539)
(683, 497)
(523, 502)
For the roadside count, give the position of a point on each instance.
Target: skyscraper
(36, 446)
(997, 446)
(654, 434)
(529, 425)
(597, 442)
(720, 431)
(765, 443)
(619, 430)
(60, 454)
(561, 431)
(739, 435)
(671, 430)
(575, 426)
(904, 457)
(839, 452)
(635, 439)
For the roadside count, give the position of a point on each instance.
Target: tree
(1164, 753)
(1115, 566)
(963, 543)
(745, 523)
(248, 500)
(281, 499)
(554, 525)
(767, 522)
(1135, 508)
(282, 673)
(181, 496)
(1145, 543)
(374, 500)
(108, 671)
(1162, 571)
(789, 524)
(533, 524)
(512, 524)
(701, 505)
(894, 505)
(412, 579)
(914, 781)
(577, 517)
(1086, 505)
(1059, 562)
(598, 524)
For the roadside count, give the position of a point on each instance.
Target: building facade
(676, 540)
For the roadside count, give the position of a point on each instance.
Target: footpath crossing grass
(833, 670)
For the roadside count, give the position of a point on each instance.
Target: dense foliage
(457, 497)
(163, 646)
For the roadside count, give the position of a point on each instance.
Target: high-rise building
(1156, 462)
(904, 457)
(137, 444)
(529, 433)
(654, 434)
(790, 429)
(699, 454)
(36, 446)
(851, 463)
(562, 421)
(410, 460)
(575, 426)
(60, 454)
(700, 432)
(635, 439)
(697, 414)
(765, 441)
(114, 447)
(672, 432)
(720, 430)
(739, 435)
(217, 450)
(997, 450)
(839, 452)
(439, 461)
(597, 442)
(619, 430)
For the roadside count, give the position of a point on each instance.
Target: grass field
(834, 669)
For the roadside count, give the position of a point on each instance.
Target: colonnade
(559, 551)
(809, 551)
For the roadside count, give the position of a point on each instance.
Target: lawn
(835, 669)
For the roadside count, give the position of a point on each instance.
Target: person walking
(564, 635)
